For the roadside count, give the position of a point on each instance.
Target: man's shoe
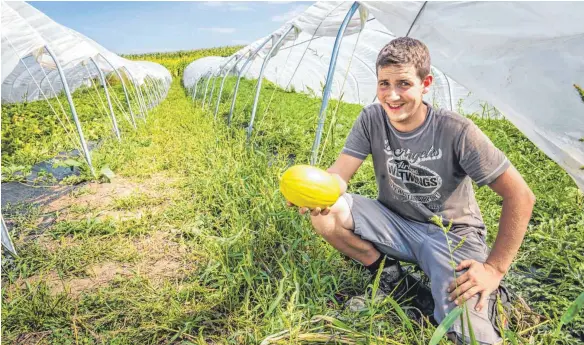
(402, 286)
(513, 309)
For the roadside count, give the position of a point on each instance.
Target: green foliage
(580, 91)
(32, 132)
(176, 62)
(445, 325)
(571, 313)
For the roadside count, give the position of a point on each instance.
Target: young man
(425, 160)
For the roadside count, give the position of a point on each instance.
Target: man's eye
(405, 84)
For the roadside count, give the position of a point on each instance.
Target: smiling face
(400, 91)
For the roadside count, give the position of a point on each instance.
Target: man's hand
(314, 212)
(481, 278)
(342, 170)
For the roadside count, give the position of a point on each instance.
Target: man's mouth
(395, 106)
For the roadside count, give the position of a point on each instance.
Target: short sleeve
(358, 143)
(482, 161)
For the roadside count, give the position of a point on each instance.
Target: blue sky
(159, 26)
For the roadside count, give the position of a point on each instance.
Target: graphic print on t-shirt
(411, 180)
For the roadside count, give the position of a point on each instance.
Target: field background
(191, 242)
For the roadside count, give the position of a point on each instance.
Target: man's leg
(359, 227)
(434, 260)
(367, 231)
(337, 229)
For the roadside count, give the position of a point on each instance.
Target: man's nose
(392, 95)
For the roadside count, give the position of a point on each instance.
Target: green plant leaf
(106, 174)
(337, 323)
(512, 337)
(72, 163)
(402, 315)
(473, 339)
(278, 299)
(445, 325)
(573, 310)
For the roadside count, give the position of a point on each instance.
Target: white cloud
(279, 2)
(227, 6)
(284, 17)
(237, 7)
(240, 42)
(212, 3)
(219, 30)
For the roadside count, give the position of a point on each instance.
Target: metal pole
(199, 83)
(194, 90)
(150, 91)
(215, 81)
(158, 90)
(259, 83)
(123, 87)
(145, 95)
(329, 82)
(137, 95)
(149, 94)
(161, 89)
(109, 102)
(213, 89)
(73, 111)
(6, 241)
(141, 98)
(194, 94)
(206, 87)
(241, 72)
(223, 82)
(154, 90)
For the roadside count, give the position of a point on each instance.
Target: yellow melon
(308, 186)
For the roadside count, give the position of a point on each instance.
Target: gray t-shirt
(428, 171)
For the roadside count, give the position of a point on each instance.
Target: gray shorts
(424, 244)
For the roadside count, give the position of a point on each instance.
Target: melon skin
(309, 186)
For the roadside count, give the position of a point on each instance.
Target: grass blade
(573, 310)
(445, 325)
(337, 323)
(402, 315)
(278, 299)
(473, 339)
(512, 337)
(571, 313)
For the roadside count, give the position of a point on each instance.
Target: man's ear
(427, 82)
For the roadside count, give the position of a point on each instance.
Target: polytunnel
(41, 59)
(39, 55)
(516, 59)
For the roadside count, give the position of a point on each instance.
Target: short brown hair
(405, 51)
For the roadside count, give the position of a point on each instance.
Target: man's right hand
(343, 169)
(314, 212)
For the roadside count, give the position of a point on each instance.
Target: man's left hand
(481, 278)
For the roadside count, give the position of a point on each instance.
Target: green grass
(250, 268)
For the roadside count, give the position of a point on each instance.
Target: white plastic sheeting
(324, 18)
(25, 33)
(203, 67)
(521, 57)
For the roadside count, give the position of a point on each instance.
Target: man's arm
(518, 201)
(484, 278)
(344, 168)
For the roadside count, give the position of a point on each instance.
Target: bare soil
(160, 258)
